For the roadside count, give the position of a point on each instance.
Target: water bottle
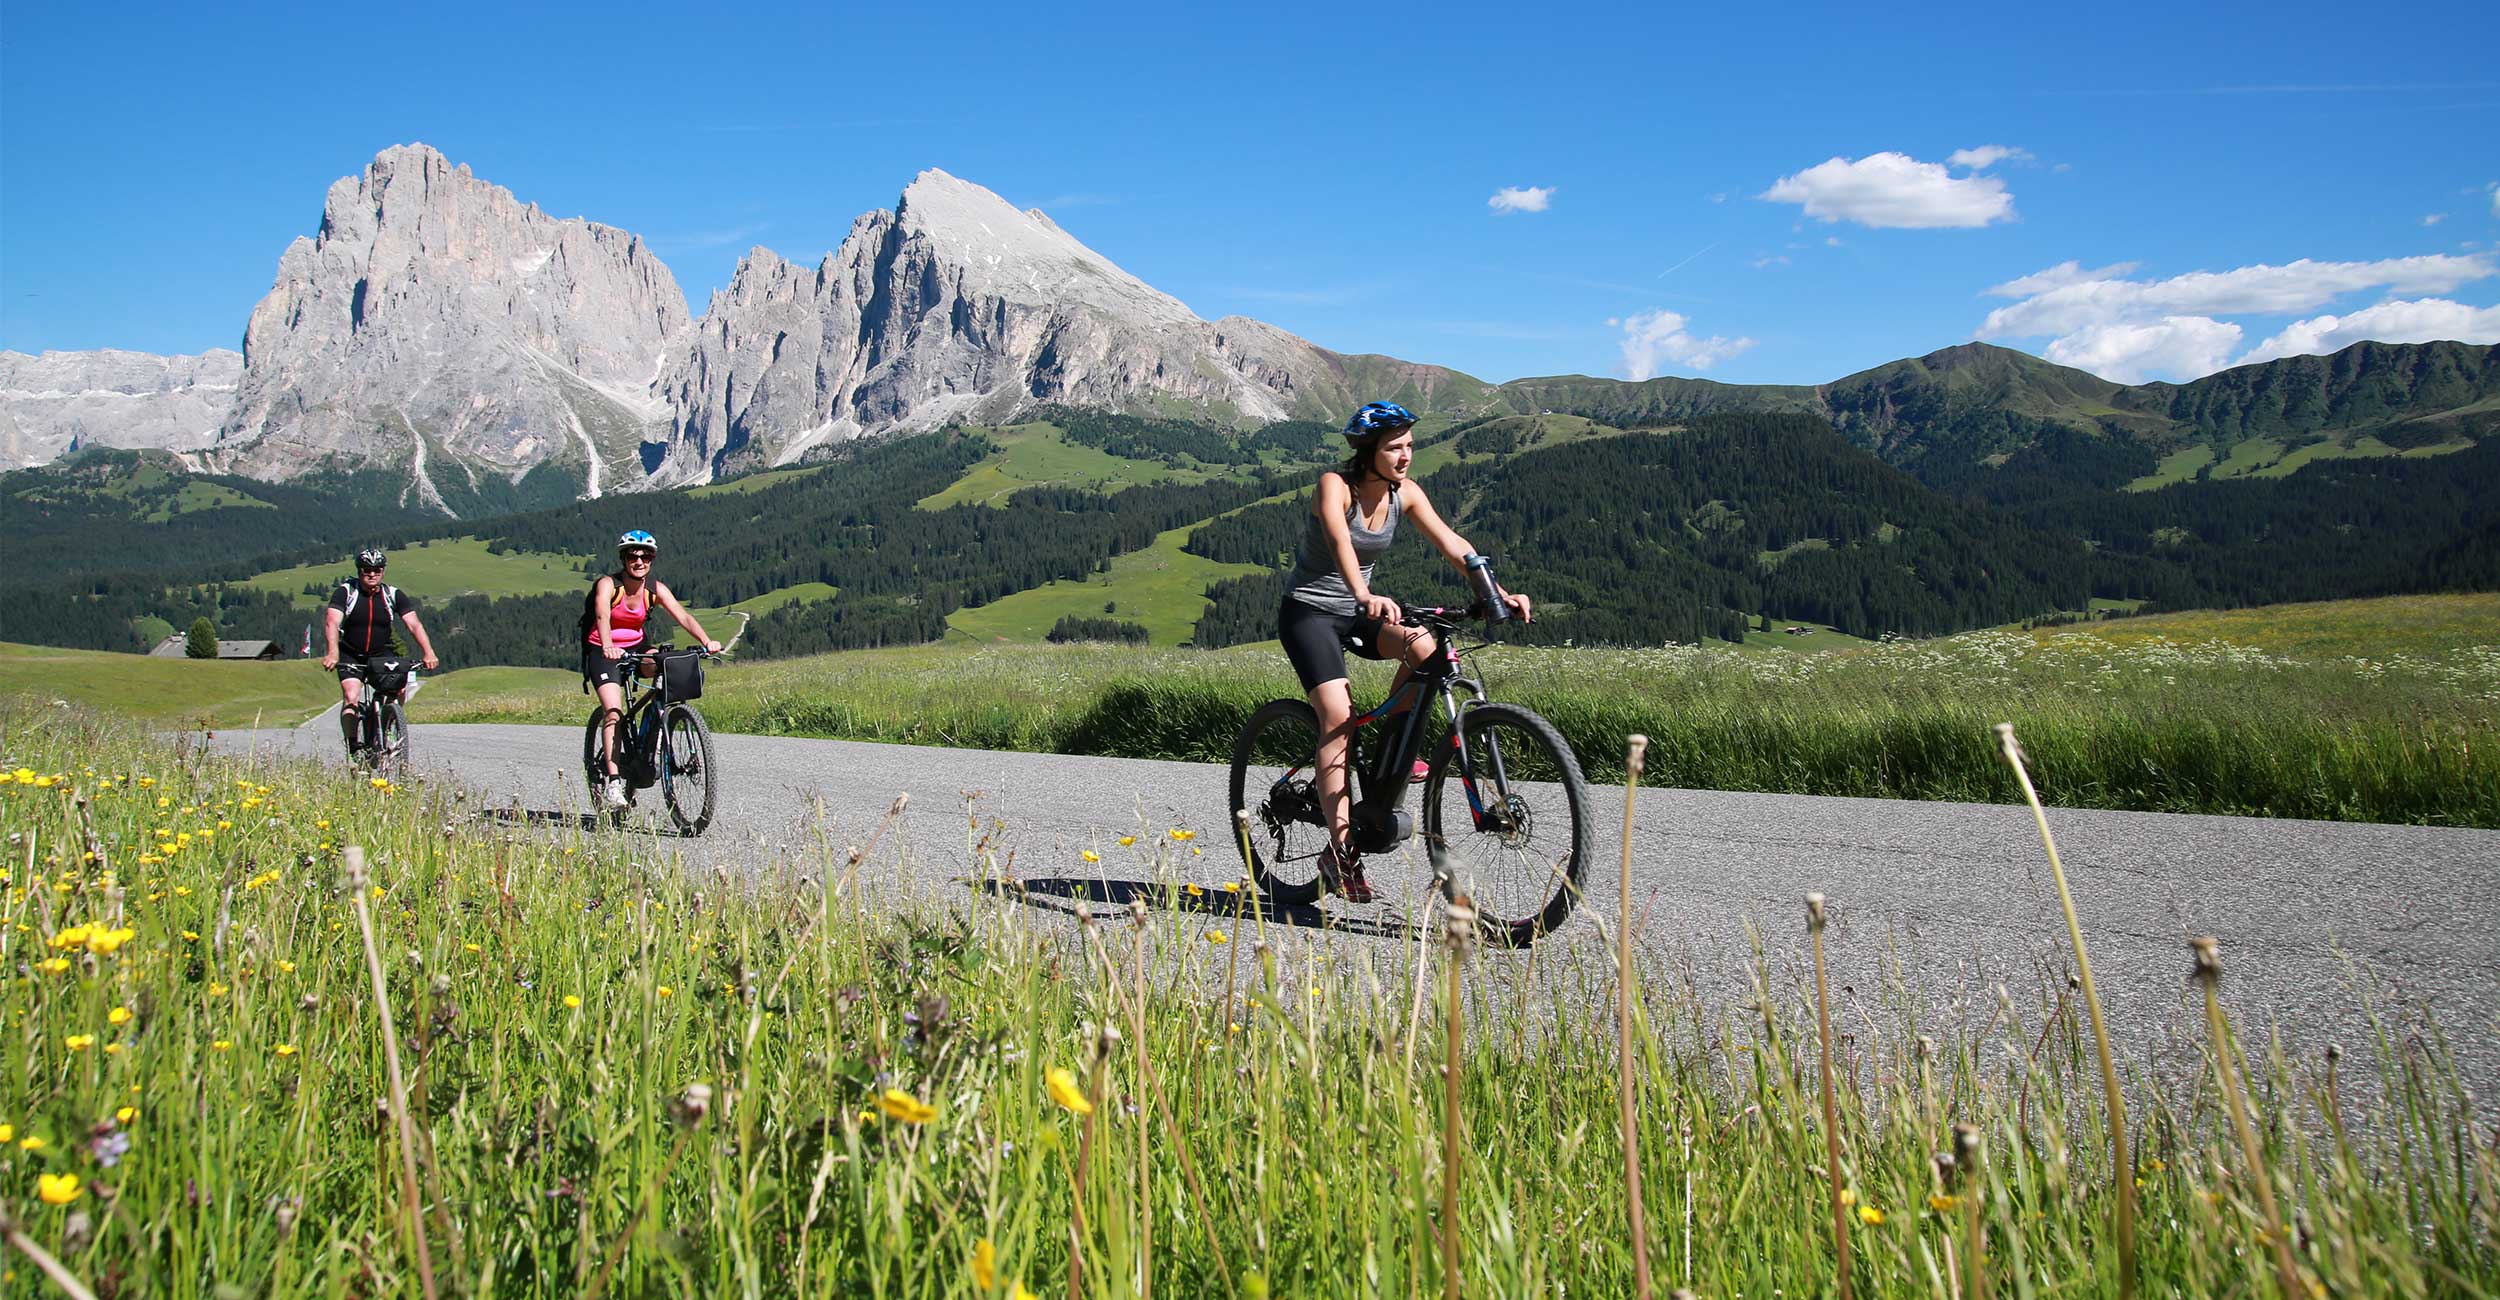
(1480, 580)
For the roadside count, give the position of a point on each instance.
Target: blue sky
(1747, 193)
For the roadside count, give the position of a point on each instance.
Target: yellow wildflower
(125, 1115)
(117, 1016)
(57, 1189)
(665, 990)
(1127, 840)
(900, 1105)
(1090, 856)
(472, 947)
(286, 1049)
(1062, 1085)
(104, 943)
(572, 1003)
(1870, 1216)
(286, 967)
(7, 1132)
(190, 936)
(985, 1266)
(31, 1142)
(1943, 1204)
(1193, 891)
(1218, 936)
(1182, 835)
(1848, 1196)
(79, 1042)
(222, 1045)
(55, 965)
(1232, 886)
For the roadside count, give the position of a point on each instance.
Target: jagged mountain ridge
(957, 307)
(465, 344)
(60, 402)
(439, 326)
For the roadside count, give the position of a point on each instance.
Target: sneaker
(1343, 870)
(614, 795)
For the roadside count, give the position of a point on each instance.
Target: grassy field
(1162, 588)
(438, 570)
(615, 1077)
(756, 482)
(1032, 454)
(175, 692)
(2382, 710)
(2177, 467)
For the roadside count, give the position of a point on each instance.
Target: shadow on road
(1078, 896)
(659, 824)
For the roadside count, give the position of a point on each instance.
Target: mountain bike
(661, 741)
(381, 728)
(1505, 808)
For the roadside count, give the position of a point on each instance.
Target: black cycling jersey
(366, 627)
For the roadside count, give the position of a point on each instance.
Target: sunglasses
(369, 572)
(640, 557)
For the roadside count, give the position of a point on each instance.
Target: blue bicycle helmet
(1378, 417)
(638, 539)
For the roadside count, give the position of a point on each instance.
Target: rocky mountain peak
(436, 322)
(59, 402)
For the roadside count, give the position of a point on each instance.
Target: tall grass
(625, 1075)
(2147, 724)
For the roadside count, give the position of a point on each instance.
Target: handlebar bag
(389, 676)
(681, 675)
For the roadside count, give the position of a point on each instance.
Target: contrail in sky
(1686, 262)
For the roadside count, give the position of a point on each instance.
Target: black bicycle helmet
(371, 558)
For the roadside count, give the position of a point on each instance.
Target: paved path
(1950, 898)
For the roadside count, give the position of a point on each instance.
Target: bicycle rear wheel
(595, 768)
(1275, 781)
(390, 746)
(687, 776)
(1519, 847)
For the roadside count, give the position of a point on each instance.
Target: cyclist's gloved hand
(1380, 607)
(713, 646)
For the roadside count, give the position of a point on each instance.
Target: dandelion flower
(572, 1003)
(57, 1189)
(1062, 1085)
(900, 1105)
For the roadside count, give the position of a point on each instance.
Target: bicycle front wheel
(390, 746)
(1276, 782)
(687, 775)
(1505, 819)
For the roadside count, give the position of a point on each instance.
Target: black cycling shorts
(598, 670)
(1316, 641)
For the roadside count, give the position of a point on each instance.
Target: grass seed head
(1814, 912)
(2208, 958)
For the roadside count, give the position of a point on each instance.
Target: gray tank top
(1315, 580)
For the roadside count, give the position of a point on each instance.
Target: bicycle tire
(1523, 886)
(595, 770)
(1286, 832)
(391, 753)
(689, 780)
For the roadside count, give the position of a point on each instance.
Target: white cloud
(1986, 156)
(2494, 188)
(2058, 277)
(1831, 241)
(1516, 198)
(1767, 260)
(1653, 338)
(2064, 299)
(1895, 190)
(2133, 353)
(2419, 321)
(2434, 218)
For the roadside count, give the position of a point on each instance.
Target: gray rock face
(955, 306)
(439, 328)
(58, 402)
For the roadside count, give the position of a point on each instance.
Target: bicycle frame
(1384, 781)
(638, 713)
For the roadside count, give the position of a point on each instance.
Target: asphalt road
(1932, 904)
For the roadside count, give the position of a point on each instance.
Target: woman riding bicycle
(620, 606)
(1330, 607)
